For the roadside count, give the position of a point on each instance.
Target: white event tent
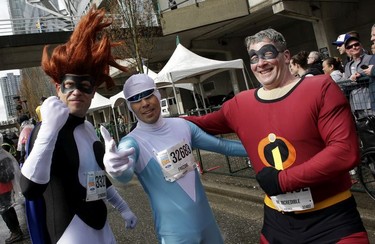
(99, 102)
(185, 66)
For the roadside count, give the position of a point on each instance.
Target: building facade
(10, 86)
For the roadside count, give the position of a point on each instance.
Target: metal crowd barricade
(361, 96)
(210, 162)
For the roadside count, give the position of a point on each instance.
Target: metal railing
(19, 26)
(37, 25)
(361, 96)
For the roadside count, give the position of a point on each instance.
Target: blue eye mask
(266, 52)
(83, 83)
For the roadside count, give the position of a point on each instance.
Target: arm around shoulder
(208, 142)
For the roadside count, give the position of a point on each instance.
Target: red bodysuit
(309, 127)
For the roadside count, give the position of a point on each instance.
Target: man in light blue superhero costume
(160, 152)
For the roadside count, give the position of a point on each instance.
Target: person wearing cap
(340, 43)
(64, 168)
(354, 48)
(359, 97)
(159, 151)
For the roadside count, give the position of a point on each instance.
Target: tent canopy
(185, 66)
(99, 102)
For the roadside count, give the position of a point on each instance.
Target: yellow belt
(317, 206)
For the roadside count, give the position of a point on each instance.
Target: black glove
(269, 181)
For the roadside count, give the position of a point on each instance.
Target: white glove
(37, 166)
(115, 162)
(130, 219)
(118, 203)
(55, 113)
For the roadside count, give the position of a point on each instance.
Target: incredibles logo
(276, 152)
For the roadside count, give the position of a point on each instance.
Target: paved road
(238, 224)
(239, 215)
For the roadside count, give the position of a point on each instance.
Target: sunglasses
(357, 44)
(138, 97)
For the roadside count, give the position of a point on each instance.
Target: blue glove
(269, 181)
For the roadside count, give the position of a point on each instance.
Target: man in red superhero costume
(301, 140)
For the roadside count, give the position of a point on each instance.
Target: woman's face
(293, 68)
(327, 69)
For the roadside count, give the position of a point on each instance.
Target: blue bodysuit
(180, 207)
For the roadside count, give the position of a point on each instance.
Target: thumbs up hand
(115, 162)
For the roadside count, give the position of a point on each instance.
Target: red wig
(84, 53)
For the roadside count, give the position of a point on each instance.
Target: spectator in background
(26, 128)
(299, 67)
(314, 60)
(37, 110)
(355, 50)
(372, 37)
(340, 43)
(355, 33)
(332, 66)
(9, 146)
(298, 64)
(9, 178)
(370, 71)
(341, 39)
(359, 97)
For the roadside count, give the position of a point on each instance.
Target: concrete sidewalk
(233, 176)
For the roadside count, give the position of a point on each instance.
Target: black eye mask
(78, 79)
(266, 52)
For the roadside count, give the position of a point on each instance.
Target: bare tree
(136, 24)
(35, 84)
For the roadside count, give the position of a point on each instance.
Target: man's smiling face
(269, 71)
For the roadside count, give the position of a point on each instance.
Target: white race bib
(96, 186)
(294, 201)
(176, 161)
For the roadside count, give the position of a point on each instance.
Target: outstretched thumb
(108, 141)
